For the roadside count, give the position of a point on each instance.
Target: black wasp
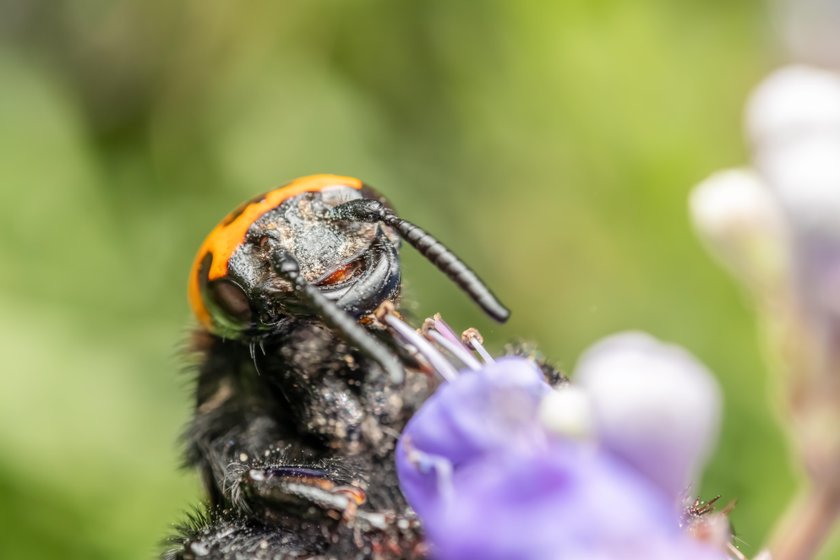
(300, 395)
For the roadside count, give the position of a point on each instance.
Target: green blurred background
(552, 144)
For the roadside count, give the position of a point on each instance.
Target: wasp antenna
(368, 210)
(286, 265)
(447, 262)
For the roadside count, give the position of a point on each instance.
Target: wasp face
(322, 246)
(353, 264)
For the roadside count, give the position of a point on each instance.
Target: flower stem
(807, 524)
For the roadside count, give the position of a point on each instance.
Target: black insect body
(300, 396)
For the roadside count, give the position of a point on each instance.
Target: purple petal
(562, 501)
(478, 413)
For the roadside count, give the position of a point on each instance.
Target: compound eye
(343, 274)
(230, 299)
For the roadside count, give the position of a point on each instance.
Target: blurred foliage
(553, 144)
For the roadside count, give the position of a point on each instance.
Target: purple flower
(489, 481)
(480, 415)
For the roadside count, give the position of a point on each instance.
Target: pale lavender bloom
(792, 103)
(489, 481)
(794, 122)
(793, 119)
(655, 406)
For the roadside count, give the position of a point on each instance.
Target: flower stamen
(473, 339)
(432, 355)
(431, 329)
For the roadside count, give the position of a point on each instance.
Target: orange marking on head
(231, 231)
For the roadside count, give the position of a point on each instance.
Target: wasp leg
(278, 492)
(330, 511)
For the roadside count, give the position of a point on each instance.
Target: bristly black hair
(220, 534)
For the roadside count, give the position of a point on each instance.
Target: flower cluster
(776, 225)
(500, 464)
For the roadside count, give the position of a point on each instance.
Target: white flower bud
(738, 218)
(654, 405)
(806, 177)
(793, 102)
(566, 411)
